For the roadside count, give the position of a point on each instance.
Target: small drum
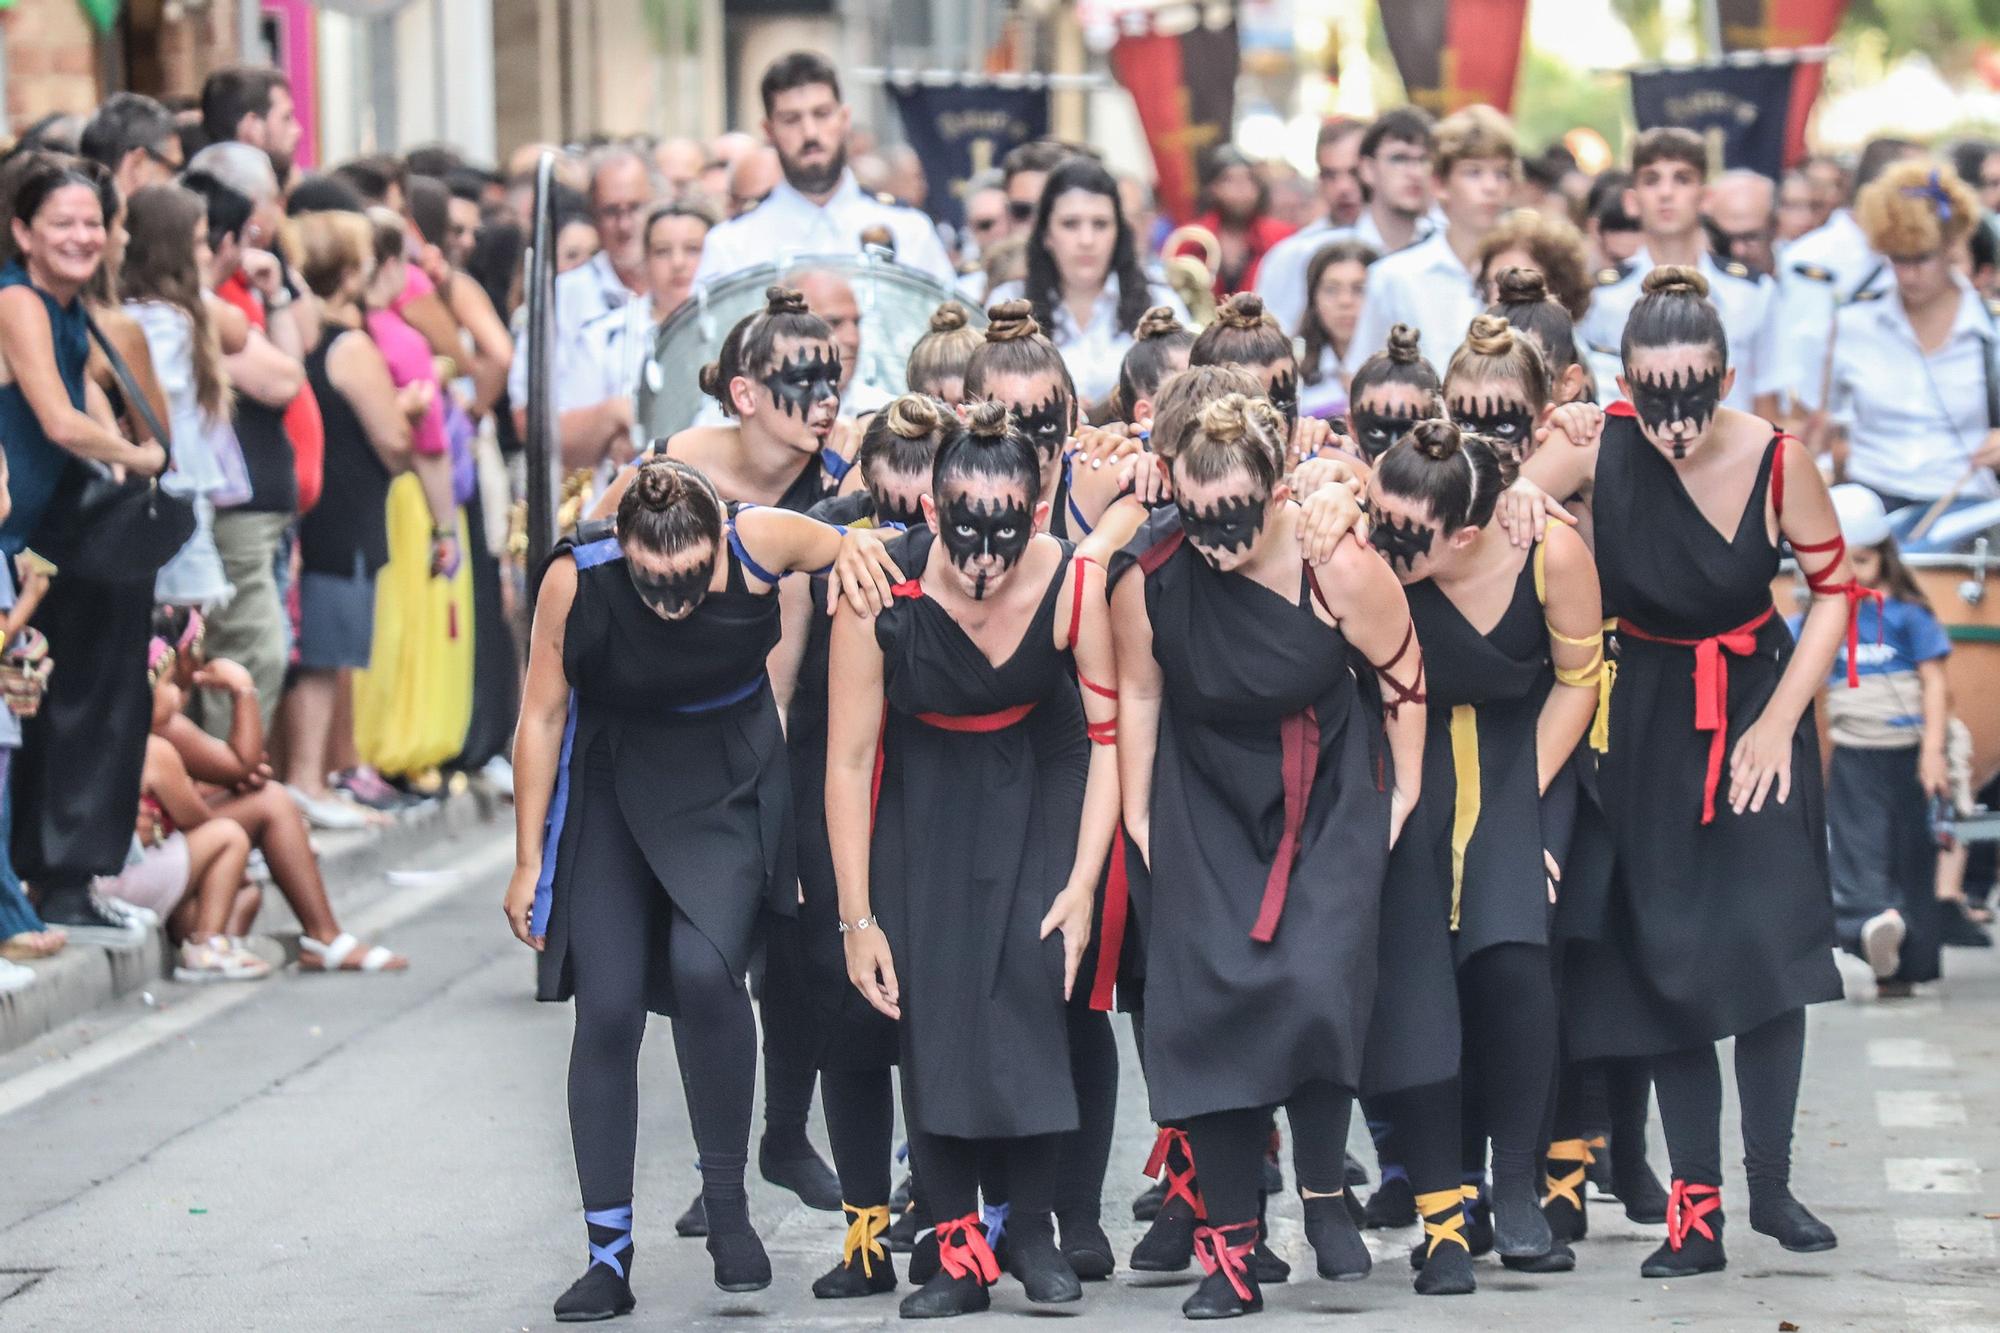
(895, 300)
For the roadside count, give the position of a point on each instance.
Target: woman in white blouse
(1085, 280)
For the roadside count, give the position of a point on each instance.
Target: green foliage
(1945, 30)
(1647, 21)
(1552, 98)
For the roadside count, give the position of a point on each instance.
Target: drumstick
(1942, 503)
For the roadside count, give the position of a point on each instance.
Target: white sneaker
(1882, 942)
(14, 977)
(329, 812)
(500, 773)
(142, 918)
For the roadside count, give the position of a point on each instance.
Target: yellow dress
(413, 703)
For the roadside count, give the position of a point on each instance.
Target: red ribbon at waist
(1298, 745)
(999, 721)
(1111, 935)
(1711, 688)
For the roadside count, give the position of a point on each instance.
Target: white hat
(1863, 520)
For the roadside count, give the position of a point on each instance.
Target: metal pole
(543, 484)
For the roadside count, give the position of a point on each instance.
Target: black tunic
(1711, 928)
(683, 714)
(975, 835)
(1247, 676)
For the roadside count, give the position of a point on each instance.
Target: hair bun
(1675, 280)
(1157, 322)
(709, 379)
(1437, 439)
(1245, 310)
(1490, 335)
(1235, 417)
(1405, 344)
(784, 301)
(913, 416)
(1010, 320)
(1521, 286)
(660, 484)
(949, 318)
(988, 419)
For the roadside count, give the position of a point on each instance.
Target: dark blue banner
(1739, 110)
(960, 130)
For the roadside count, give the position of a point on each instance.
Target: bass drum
(895, 301)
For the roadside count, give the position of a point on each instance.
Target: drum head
(896, 303)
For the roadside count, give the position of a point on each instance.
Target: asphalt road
(393, 1152)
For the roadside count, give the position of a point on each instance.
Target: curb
(86, 976)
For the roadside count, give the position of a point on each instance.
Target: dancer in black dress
(855, 1047)
(1249, 751)
(1513, 656)
(653, 825)
(1720, 921)
(956, 732)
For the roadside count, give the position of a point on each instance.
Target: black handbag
(108, 530)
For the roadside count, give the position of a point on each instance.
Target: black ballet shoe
(693, 1222)
(901, 1237)
(944, 1297)
(1085, 1245)
(1339, 1253)
(1274, 1176)
(1232, 1287)
(1520, 1231)
(864, 1268)
(1168, 1245)
(1478, 1221)
(1146, 1203)
(1356, 1174)
(1775, 1213)
(1694, 1234)
(803, 1173)
(1559, 1259)
(1645, 1199)
(1266, 1266)
(1603, 1179)
(924, 1264)
(1563, 1202)
(1442, 1259)
(740, 1261)
(600, 1293)
(1032, 1257)
(1392, 1205)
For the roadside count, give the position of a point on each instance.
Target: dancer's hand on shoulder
(1524, 509)
(520, 902)
(1325, 516)
(862, 573)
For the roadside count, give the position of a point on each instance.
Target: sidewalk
(86, 976)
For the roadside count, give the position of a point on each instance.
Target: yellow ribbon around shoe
(1443, 1212)
(1569, 1185)
(862, 1236)
(1597, 671)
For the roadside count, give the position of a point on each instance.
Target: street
(393, 1152)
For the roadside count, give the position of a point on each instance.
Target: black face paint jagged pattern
(1284, 395)
(1226, 525)
(1376, 431)
(1399, 543)
(893, 510)
(1683, 398)
(1046, 424)
(672, 595)
(1506, 421)
(974, 528)
(808, 378)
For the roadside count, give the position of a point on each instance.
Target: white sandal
(333, 957)
(218, 959)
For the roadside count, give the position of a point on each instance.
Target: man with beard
(1239, 215)
(253, 104)
(818, 208)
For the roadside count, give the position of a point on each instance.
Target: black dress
(1269, 752)
(682, 713)
(1715, 923)
(978, 801)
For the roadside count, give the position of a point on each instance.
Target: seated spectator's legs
(278, 830)
(251, 629)
(217, 853)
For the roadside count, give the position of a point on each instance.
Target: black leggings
(1769, 1059)
(860, 1120)
(1507, 1013)
(715, 1038)
(1426, 1133)
(789, 1072)
(1319, 1113)
(1229, 1150)
(1086, 1151)
(948, 1173)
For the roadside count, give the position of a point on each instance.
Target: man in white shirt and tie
(817, 208)
(1433, 286)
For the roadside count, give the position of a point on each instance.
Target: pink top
(409, 358)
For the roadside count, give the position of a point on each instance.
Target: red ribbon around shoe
(1213, 1248)
(963, 1251)
(1688, 1207)
(1179, 1182)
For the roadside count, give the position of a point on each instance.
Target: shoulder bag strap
(135, 397)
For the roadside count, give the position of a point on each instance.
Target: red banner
(1766, 25)
(1184, 88)
(1453, 53)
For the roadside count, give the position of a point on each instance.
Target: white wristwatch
(865, 923)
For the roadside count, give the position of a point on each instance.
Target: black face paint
(810, 377)
(1399, 543)
(1376, 431)
(1505, 421)
(672, 595)
(1684, 399)
(971, 529)
(892, 509)
(1284, 395)
(1226, 525)
(1046, 424)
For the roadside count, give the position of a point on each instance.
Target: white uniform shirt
(787, 223)
(1425, 287)
(1822, 271)
(1095, 352)
(1746, 301)
(1913, 419)
(1281, 277)
(583, 296)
